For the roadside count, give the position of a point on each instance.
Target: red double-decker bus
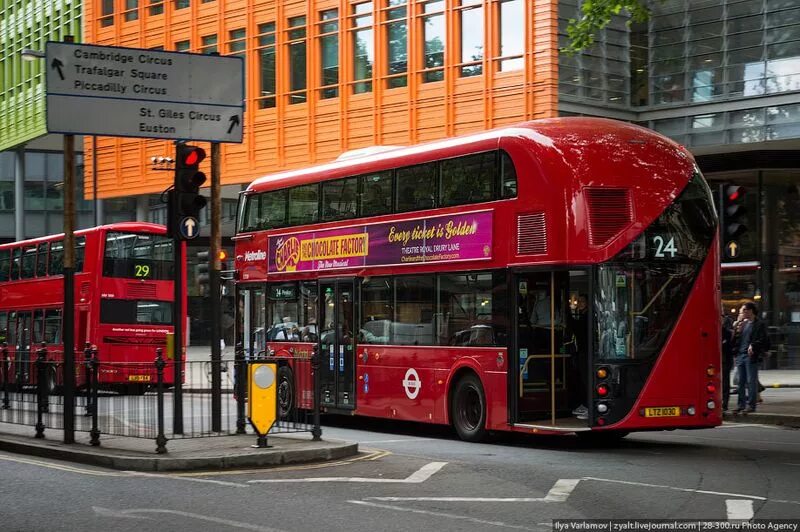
(123, 302)
(556, 276)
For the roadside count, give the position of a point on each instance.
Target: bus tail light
(602, 390)
(601, 421)
(710, 388)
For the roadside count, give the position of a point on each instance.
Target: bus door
(552, 347)
(337, 344)
(251, 326)
(24, 347)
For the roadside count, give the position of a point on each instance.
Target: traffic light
(188, 180)
(735, 213)
(202, 273)
(223, 260)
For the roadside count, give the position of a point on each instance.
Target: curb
(268, 458)
(783, 420)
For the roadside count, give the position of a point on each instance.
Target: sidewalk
(781, 406)
(138, 454)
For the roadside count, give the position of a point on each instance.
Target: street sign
(732, 249)
(132, 92)
(262, 404)
(188, 227)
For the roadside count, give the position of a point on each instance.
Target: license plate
(139, 378)
(662, 411)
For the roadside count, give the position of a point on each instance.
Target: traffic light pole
(214, 285)
(69, 289)
(177, 324)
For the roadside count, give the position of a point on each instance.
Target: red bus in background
(123, 302)
(555, 276)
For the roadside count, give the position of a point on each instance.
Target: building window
(396, 44)
(107, 12)
(297, 59)
(329, 53)
(470, 18)
(511, 34)
(209, 44)
(266, 64)
(182, 46)
(181, 4)
(156, 7)
(237, 42)
(131, 10)
(433, 32)
(363, 47)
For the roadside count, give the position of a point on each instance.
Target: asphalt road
(416, 477)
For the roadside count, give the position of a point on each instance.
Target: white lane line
(417, 477)
(187, 479)
(560, 492)
(447, 515)
(107, 512)
(739, 509)
(689, 490)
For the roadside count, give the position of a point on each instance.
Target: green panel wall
(29, 24)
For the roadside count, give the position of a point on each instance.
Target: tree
(595, 15)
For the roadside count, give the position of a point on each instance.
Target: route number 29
(141, 270)
(663, 248)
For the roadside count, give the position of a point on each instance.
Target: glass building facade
(721, 77)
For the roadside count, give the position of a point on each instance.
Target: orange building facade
(326, 76)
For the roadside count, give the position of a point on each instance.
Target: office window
(303, 204)
(363, 53)
(131, 10)
(396, 44)
(266, 62)
(209, 44)
(329, 53)
(416, 187)
(237, 42)
(339, 199)
(470, 17)
(376, 194)
(511, 15)
(182, 46)
(433, 32)
(297, 59)
(181, 4)
(156, 7)
(107, 13)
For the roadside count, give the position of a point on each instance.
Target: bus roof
(133, 227)
(552, 132)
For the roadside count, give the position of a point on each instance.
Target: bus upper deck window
(508, 176)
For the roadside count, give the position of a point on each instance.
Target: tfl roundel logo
(412, 384)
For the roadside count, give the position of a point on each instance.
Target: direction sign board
(189, 228)
(132, 92)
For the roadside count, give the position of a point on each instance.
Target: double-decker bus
(123, 302)
(555, 276)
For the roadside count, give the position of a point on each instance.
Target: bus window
(472, 307)
(29, 262)
(41, 260)
(56, 259)
(137, 256)
(376, 194)
(508, 176)
(16, 263)
(80, 252)
(468, 179)
(3, 326)
(5, 264)
(303, 204)
(272, 212)
(416, 187)
(413, 311)
(377, 311)
(11, 329)
(339, 199)
(52, 326)
(38, 326)
(132, 312)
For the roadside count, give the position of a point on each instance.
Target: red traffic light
(734, 192)
(193, 155)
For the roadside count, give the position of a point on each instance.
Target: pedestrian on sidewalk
(727, 359)
(751, 343)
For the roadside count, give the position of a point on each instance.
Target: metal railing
(106, 404)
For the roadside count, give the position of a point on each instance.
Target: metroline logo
(252, 256)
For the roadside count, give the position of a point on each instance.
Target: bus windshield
(133, 312)
(138, 256)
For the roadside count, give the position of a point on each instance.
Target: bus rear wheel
(285, 392)
(468, 409)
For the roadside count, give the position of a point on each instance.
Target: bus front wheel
(285, 392)
(468, 409)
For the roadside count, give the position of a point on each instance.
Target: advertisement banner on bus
(447, 238)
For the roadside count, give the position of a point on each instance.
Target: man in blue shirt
(750, 344)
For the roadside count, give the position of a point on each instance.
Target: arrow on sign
(733, 248)
(190, 224)
(57, 64)
(234, 122)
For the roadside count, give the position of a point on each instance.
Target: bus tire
(468, 409)
(285, 392)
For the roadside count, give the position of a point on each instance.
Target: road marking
(417, 477)
(187, 479)
(739, 509)
(560, 492)
(394, 441)
(447, 515)
(69, 469)
(107, 512)
(689, 490)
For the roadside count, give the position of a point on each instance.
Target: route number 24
(662, 248)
